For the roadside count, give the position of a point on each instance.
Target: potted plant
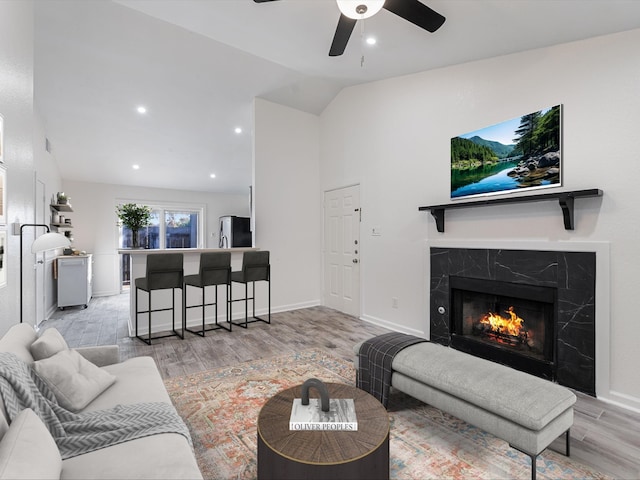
(62, 198)
(134, 217)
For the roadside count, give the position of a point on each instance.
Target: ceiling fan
(351, 11)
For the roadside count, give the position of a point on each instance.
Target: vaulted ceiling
(196, 66)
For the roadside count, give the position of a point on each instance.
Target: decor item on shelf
(134, 217)
(62, 199)
(520, 154)
(48, 241)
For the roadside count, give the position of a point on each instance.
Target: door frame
(40, 266)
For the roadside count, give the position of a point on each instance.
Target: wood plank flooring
(604, 436)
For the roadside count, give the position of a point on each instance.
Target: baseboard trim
(392, 326)
(621, 400)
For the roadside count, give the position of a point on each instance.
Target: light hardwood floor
(604, 436)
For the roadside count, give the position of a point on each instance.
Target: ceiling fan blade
(262, 1)
(416, 12)
(342, 35)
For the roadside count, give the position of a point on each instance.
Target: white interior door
(342, 250)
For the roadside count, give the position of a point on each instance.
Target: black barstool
(255, 268)
(215, 269)
(164, 271)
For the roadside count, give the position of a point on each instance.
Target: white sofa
(137, 380)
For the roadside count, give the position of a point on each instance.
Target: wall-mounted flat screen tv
(517, 155)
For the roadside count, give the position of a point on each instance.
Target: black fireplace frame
(547, 296)
(573, 274)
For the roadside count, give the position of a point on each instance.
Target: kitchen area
(234, 236)
(73, 269)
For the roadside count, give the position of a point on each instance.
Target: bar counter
(161, 321)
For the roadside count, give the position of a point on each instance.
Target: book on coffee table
(340, 417)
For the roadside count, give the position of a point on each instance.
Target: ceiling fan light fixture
(360, 9)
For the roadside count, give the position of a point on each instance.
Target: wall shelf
(565, 199)
(55, 223)
(59, 207)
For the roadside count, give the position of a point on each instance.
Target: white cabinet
(74, 280)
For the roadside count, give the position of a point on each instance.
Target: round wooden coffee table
(285, 454)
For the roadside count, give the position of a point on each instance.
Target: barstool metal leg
(136, 312)
(229, 303)
(149, 316)
(253, 298)
(204, 302)
(246, 305)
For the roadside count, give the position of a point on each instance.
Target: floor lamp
(47, 241)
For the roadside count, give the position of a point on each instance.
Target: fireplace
(542, 303)
(507, 322)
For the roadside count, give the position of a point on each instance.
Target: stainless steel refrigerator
(234, 232)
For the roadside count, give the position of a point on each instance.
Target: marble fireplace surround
(583, 328)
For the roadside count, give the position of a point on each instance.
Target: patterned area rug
(221, 407)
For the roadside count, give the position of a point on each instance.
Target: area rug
(221, 408)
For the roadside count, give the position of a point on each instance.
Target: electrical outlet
(394, 302)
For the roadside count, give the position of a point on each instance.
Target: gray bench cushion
(522, 398)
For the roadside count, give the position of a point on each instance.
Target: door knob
(355, 260)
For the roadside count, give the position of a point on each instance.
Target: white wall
(16, 106)
(48, 173)
(95, 222)
(393, 137)
(288, 202)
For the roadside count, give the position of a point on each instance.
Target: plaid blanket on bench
(374, 363)
(78, 433)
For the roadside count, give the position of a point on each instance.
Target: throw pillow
(74, 380)
(49, 343)
(28, 451)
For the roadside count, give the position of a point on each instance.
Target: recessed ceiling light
(213, 175)
(136, 167)
(142, 109)
(238, 130)
(371, 41)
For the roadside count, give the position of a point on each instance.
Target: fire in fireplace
(507, 322)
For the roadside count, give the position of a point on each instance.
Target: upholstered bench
(526, 411)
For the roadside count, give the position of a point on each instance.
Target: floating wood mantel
(565, 199)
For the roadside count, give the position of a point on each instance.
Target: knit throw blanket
(374, 363)
(78, 433)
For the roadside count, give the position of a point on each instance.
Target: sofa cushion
(74, 380)
(28, 450)
(18, 340)
(138, 381)
(48, 344)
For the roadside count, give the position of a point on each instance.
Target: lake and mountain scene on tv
(517, 155)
